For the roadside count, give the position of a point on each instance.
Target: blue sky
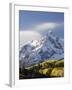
(37, 22)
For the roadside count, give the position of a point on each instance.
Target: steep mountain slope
(50, 47)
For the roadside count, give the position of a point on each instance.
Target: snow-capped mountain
(50, 47)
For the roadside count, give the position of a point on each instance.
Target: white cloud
(28, 35)
(36, 32)
(46, 26)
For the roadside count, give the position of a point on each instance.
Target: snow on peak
(50, 32)
(50, 47)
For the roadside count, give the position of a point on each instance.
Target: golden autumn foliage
(48, 68)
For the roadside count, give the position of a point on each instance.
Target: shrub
(57, 72)
(59, 63)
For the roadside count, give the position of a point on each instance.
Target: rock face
(50, 47)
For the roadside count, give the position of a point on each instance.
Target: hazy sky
(35, 24)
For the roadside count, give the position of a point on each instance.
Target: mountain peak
(49, 47)
(50, 32)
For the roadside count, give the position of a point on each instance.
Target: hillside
(46, 69)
